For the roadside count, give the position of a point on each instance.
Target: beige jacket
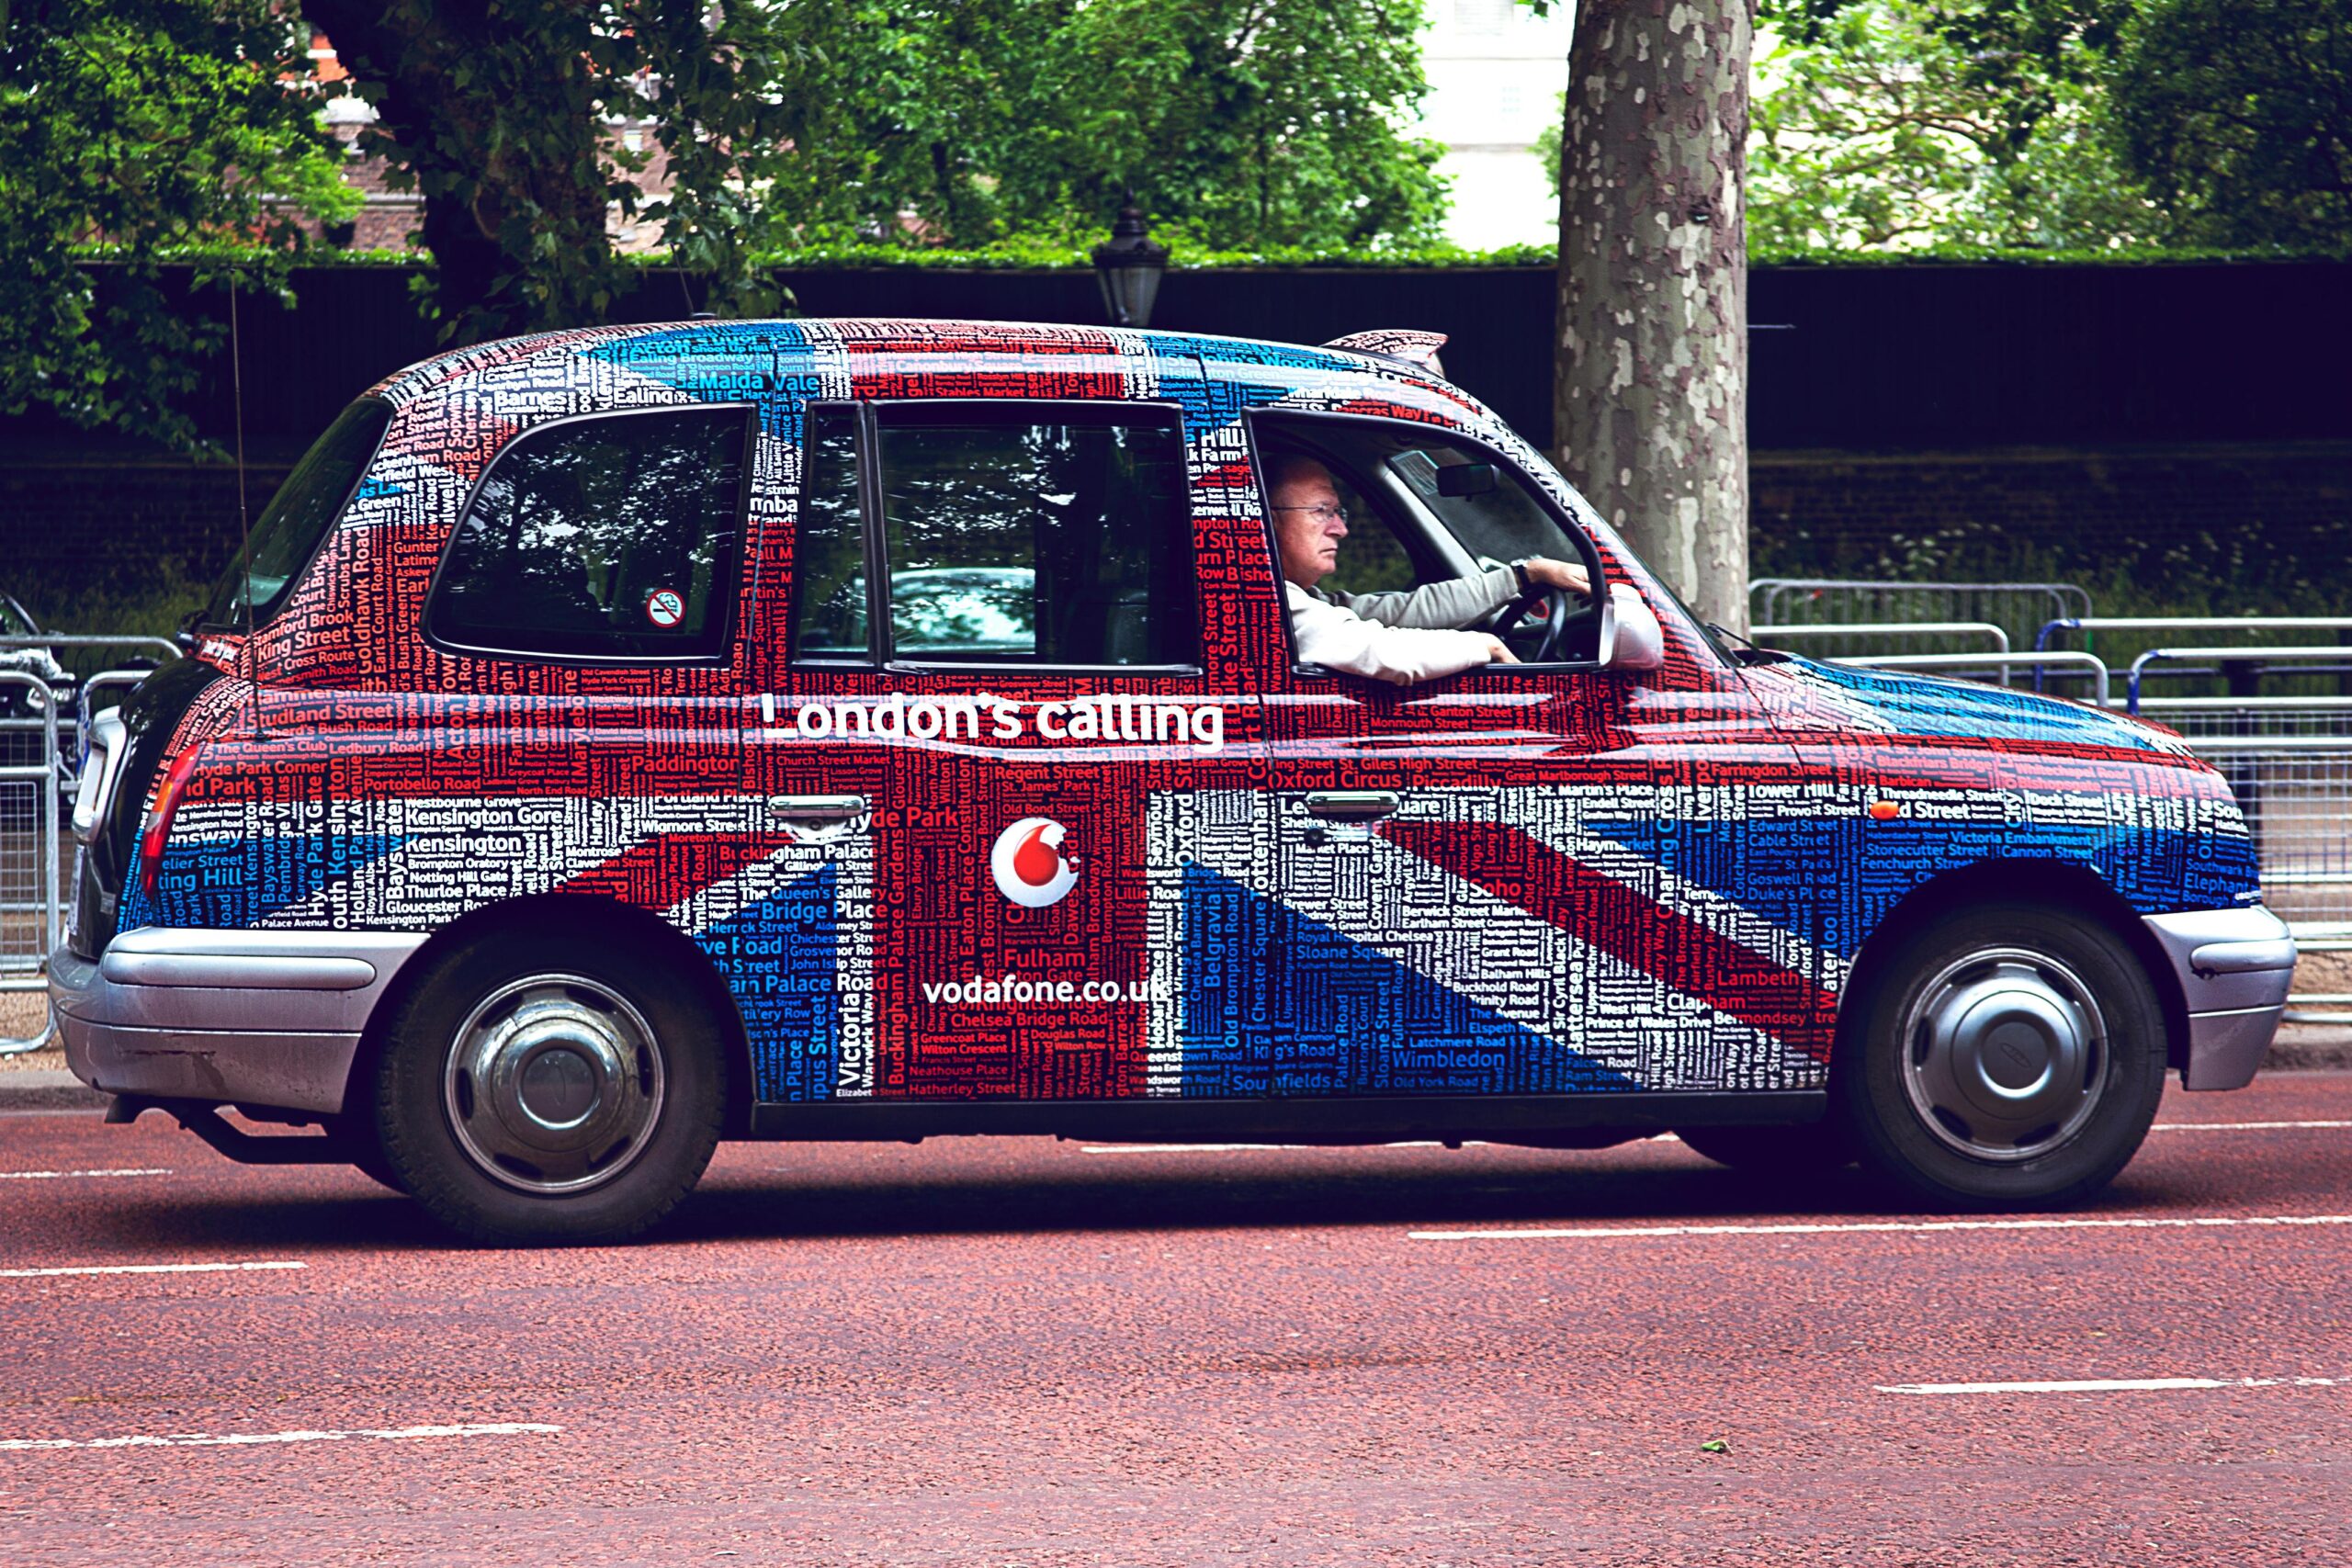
(1401, 636)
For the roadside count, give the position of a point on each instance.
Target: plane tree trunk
(1650, 388)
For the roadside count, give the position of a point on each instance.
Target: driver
(1406, 636)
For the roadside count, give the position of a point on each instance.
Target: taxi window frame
(1275, 418)
(870, 416)
(727, 647)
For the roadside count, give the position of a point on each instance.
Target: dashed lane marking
(2107, 1385)
(1883, 1227)
(75, 1175)
(150, 1268)
(242, 1440)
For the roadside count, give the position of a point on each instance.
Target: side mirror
(1466, 479)
(1630, 639)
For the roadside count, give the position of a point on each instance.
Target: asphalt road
(1018, 1352)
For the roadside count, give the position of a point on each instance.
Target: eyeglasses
(1324, 513)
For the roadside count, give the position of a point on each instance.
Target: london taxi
(621, 739)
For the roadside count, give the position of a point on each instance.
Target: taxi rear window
(1040, 534)
(616, 537)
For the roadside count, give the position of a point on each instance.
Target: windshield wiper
(1750, 651)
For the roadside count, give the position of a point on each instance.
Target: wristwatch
(1526, 583)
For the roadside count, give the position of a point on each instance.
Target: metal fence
(2288, 756)
(2019, 609)
(45, 715)
(31, 907)
(2272, 713)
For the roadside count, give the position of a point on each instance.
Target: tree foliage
(2065, 124)
(495, 112)
(145, 127)
(1242, 124)
(2238, 114)
(1888, 124)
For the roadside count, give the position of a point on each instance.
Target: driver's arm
(1456, 602)
(1338, 638)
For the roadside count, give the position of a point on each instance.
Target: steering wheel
(1551, 642)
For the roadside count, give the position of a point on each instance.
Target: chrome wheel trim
(2005, 1054)
(553, 1085)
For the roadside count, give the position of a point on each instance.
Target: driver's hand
(1499, 652)
(1559, 574)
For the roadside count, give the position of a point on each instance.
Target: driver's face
(1308, 523)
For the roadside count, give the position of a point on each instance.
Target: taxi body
(623, 738)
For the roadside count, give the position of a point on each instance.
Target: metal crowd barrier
(1965, 664)
(2017, 607)
(31, 908)
(36, 772)
(2288, 757)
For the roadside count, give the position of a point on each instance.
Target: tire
(1812, 1149)
(357, 1132)
(2011, 1056)
(551, 1087)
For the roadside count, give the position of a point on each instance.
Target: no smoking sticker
(664, 608)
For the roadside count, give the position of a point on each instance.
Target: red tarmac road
(1009, 1351)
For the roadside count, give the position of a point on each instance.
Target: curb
(48, 1088)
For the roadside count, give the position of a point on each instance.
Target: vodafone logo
(1030, 864)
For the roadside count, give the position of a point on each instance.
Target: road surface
(1009, 1351)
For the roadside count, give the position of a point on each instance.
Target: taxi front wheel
(2012, 1056)
(550, 1088)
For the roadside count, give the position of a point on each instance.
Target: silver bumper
(2235, 969)
(245, 1017)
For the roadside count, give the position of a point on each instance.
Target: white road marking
(241, 1439)
(2244, 1126)
(2107, 1385)
(1882, 1226)
(70, 1175)
(148, 1268)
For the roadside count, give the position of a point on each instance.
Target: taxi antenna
(244, 526)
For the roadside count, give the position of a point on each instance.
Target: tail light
(159, 817)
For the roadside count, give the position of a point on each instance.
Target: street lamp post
(1129, 265)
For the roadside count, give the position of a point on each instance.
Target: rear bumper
(241, 1017)
(2235, 967)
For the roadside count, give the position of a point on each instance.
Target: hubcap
(2005, 1054)
(554, 1084)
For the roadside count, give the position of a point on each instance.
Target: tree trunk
(1650, 387)
(500, 131)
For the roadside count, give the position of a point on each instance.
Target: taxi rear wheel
(550, 1088)
(2011, 1055)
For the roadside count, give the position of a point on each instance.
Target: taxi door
(996, 644)
(1522, 880)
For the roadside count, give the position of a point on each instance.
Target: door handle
(1353, 805)
(815, 810)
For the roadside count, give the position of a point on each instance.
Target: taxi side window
(1018, 533)
(616, 537)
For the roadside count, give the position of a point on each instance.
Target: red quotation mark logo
(664, 608)
(1030, 863)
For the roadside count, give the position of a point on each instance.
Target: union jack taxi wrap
(1594, 883)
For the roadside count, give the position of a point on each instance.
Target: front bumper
(256, 1018)
(2234, 967)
